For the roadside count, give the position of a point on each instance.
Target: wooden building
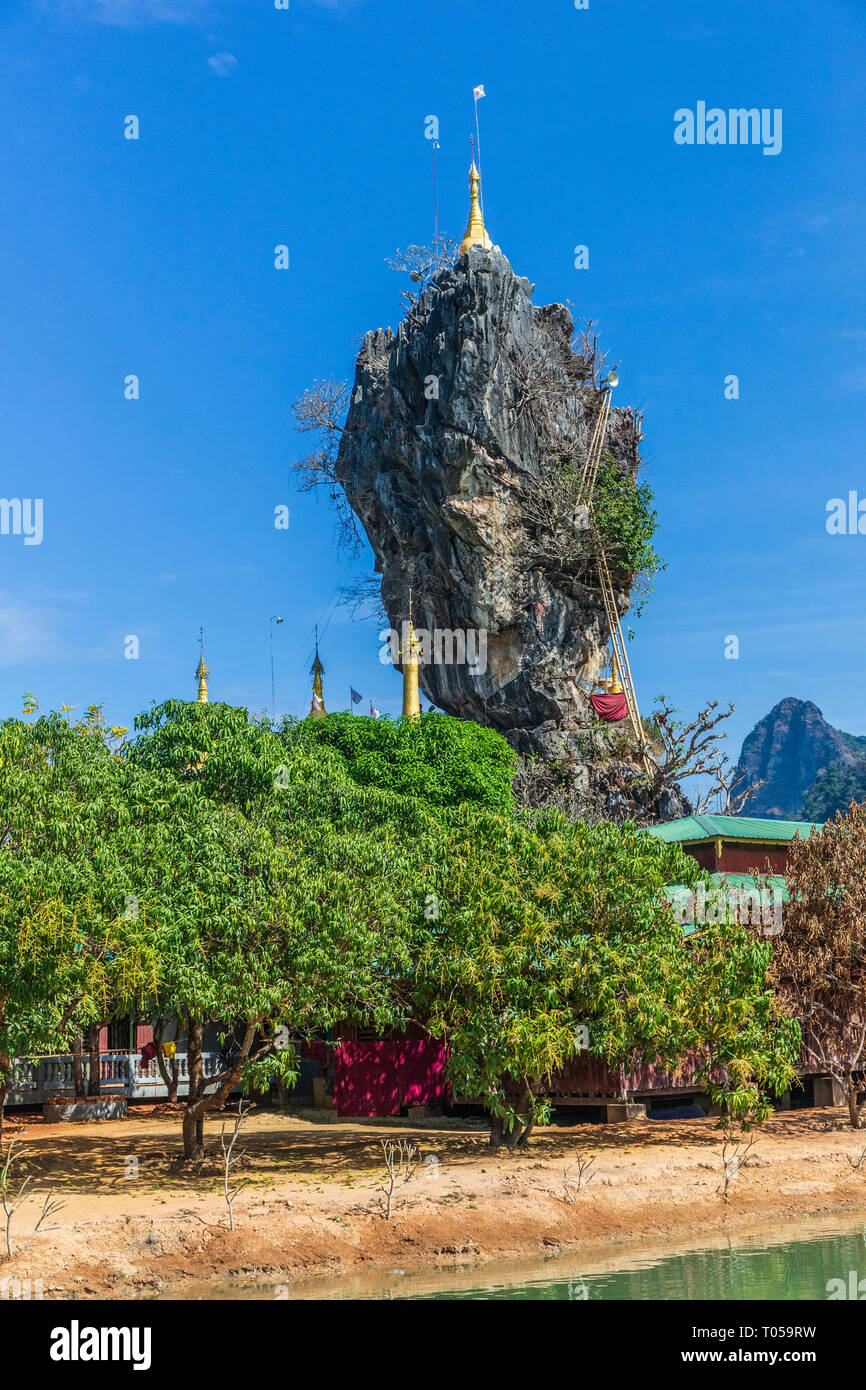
(735, 844)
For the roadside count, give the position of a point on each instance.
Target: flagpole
(478, 142)
(435, 207)
(274, 619)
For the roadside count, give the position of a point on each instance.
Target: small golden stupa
(202, 674)
(317, 670)
(409, 662)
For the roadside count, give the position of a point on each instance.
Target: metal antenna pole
(435, 206)
(274, 619)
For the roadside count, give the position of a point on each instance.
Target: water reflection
(793, 1263)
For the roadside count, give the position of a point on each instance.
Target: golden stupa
(409, 662)
(202, 673)
(476, 232)
(317, 670)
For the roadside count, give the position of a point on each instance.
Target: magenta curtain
(378, 1078)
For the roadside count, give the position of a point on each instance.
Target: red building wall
(739, 858)
(743, 859)
(705, 854)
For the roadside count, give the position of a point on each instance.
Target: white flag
(478, 92)
(374, 712)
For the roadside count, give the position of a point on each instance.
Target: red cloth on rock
(611, 707)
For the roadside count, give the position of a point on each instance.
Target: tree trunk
(6, 1068)
(78, 1066)
(514, 1138)
(193, 1147)
(852, 1088)
(93, 1049)
(169, 1074)
(193, 1120)
(518, 1136)
(198, 1102)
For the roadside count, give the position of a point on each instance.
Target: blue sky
(306, 127)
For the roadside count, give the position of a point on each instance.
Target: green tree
(68, 955)
(297, 878)
(543, 929)
(441, 760)
(499, 936)
(292, 910)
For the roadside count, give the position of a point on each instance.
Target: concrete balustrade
(121, 1074)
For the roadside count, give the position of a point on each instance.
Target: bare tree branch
(230, 1160)
(582, 1178)
(12, 1201)
(401, 1163)
(421, 264)
(691, 748)
(323, 408)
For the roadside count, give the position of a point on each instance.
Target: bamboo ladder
(585, 491)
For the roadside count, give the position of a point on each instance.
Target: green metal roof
(676, 893)
(777, 883)
(691, 828)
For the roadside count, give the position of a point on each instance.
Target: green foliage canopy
(541, 930)
(440, 760)
(354, 869)
(626, 521)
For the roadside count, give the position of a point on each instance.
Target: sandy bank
(134, 1224)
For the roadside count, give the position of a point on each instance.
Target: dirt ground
(135, 1224)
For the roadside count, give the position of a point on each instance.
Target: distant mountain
(809, 768)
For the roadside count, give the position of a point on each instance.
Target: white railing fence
(121, 1074)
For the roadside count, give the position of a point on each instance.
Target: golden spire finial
(317, 670)
(409, 662)
(476, 233)
(202, 672)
